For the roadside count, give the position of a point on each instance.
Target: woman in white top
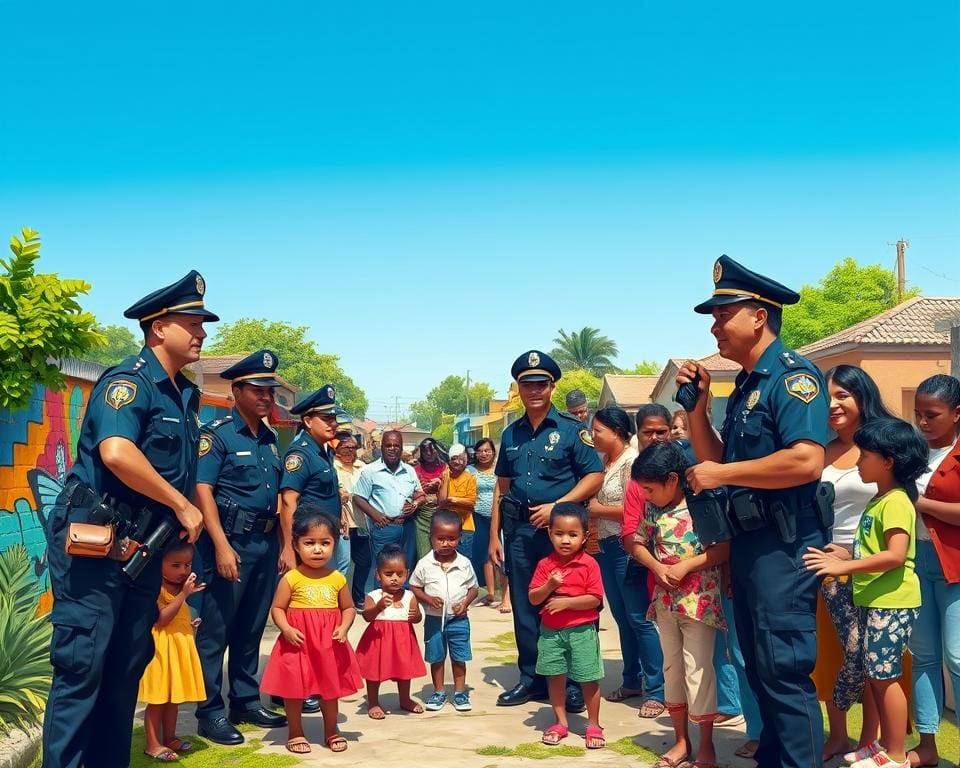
(611, 437)
(854, 400)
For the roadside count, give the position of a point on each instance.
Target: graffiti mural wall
(37, 448)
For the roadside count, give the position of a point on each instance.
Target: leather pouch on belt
(89, 540)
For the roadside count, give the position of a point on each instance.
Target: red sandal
(592, 736)
(560, 732)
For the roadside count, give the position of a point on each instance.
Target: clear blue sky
(434, 187)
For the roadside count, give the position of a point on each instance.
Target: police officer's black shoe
(311, 704)
(574, 702)
(521, 693)
(258, 716)
(219, 730)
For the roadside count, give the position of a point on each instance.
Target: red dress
(389, 649)
(320, 666)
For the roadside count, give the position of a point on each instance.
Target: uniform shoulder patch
(206, 443)
(585, 437)
(293, 462)
(802, 386)
(120, 393)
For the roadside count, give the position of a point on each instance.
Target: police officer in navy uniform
(769, 456)
(136, 465)
(238, 485)
(545, 457)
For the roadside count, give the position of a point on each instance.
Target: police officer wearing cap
(135, 468)
(769, 456)
(545, 457)
(238, 483)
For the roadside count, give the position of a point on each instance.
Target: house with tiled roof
(628, 391)
(899, 348)
(722, 374)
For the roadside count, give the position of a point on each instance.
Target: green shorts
(574, 652)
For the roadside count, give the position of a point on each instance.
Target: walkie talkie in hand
(688, 394)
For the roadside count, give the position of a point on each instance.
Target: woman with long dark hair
(429, 471)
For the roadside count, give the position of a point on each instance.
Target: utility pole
(902, 246)
(396, 409)
(468, 392)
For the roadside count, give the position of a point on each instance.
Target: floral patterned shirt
(668, 533)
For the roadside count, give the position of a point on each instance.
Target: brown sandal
(336, 743)
(651, 708)
(298, 745)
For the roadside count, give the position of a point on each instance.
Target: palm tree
(587, 349)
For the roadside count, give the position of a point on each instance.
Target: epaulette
(789, 358)
(217, 423)
(570, 417)
(128, 365)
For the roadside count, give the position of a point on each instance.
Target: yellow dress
(174, 674)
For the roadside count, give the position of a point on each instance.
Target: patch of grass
(627, 746)
(505, 642)
(948, 740)
(532, 751)
(507, 659)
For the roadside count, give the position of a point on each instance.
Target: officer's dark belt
(261, 525)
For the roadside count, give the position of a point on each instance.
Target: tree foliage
(587, 349)
(40, 321)
(848, 294)
(450, 397)
(644, 368)
(119, 343)
(301, 363)
(578, 379)
(443, 434)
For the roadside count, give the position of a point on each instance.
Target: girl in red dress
(313, 611)
(388, 649)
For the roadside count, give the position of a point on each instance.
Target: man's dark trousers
(524, 547)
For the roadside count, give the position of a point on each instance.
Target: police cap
(535, 366)
(257, 369)
(184, 297)
(733, 282)
(321, 401)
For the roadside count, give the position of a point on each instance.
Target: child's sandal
(555, 734)
(167, 756)
(337, 743)
(298, 745)
(593, 738)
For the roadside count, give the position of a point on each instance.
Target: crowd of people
(710, 548)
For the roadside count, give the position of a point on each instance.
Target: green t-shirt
(899, 588)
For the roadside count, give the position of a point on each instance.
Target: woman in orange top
(458, 493)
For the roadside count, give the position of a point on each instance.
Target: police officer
(238, 484)
(769, 455)
(309, 474)
(136, 466)
(545, 457)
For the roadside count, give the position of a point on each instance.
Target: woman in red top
(429, 471)
(936, 634)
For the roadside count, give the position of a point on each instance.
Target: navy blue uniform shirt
(138, 401)
(781, 401)
(545, 464)
(308, 469)
(240, 465)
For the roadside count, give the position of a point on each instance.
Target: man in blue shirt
(545, 457)
(389, 493)
(136, 465)
(769, 455)
(237, 486)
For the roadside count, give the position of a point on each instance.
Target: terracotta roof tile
(911, 322)
(630, 389)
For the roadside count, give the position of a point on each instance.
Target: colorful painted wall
(37, 448)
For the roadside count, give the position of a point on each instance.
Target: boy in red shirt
(567, 583)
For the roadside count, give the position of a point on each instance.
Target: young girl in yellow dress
(313, 610)
(174, 675)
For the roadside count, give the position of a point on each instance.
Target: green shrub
(25, 671)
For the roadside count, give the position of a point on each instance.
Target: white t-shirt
(934, 460)
(394, 612)
(852, 497)
(451, 585)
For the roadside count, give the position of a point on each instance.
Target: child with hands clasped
(893, 455)
(445, 583)
(174, 675)
(567, 584)
(388, 649)
(313, 610)
(686, 600)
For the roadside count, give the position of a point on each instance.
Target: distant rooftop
(629, 389)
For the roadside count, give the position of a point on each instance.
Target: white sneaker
(864, 752)
(880, 760)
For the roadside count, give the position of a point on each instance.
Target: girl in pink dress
(313, 611)
(388, 649)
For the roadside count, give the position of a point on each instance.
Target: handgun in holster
(823, 502)
(785, 520)
(229, 512)
(511, 513)
(708, 510)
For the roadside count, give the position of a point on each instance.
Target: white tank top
(852, 497)
(394, 612)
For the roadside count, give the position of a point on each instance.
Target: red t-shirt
(581, 576)
(634, 504)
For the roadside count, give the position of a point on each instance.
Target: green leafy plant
(25, 671)
(40, 323)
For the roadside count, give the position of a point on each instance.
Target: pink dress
(389, 649)
(320, 666)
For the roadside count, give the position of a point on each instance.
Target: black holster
(823, 501)
(708, 510)
(747, 508)
(511, 514)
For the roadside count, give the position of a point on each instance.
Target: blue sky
(436, 187)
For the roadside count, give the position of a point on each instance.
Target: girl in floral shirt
(686, 599)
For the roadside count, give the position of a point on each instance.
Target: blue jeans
(403, 535)
(341, 555)
(481, 545)
(734, 696)
(935, 638)
(465, 547)
(635, 599)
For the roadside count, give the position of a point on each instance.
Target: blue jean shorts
(455, 637)
(885, 640)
